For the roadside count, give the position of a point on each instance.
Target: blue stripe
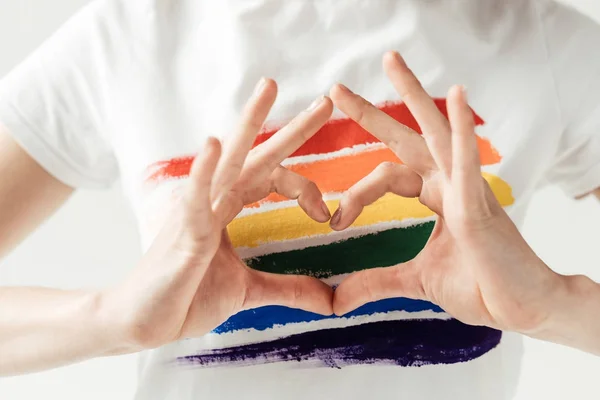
(268, 317)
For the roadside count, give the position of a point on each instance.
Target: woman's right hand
(191, 279)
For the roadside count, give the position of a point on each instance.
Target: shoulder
(571, 41)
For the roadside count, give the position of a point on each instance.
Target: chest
(188, 87)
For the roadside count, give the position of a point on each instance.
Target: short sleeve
(53, 103)
(572, 43)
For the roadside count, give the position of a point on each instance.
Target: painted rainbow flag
(274, 235)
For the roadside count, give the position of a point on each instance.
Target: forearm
(46, 328)
(573, 315)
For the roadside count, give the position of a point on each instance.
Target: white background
(92, 242)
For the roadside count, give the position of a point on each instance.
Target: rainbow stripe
(404, 343)
(274, 235)
(270, 317)
(336, 138)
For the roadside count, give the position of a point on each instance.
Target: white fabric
(125, 84)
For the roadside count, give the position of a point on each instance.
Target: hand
(191, 279)
(244, 177)
(476, 265)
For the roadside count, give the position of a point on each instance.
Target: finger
(201, 176)
(294, 291)
(265, 158)
(297, 187)
(435, 127)
(466, 164)
(403, 280)
(238, 146)
(387, 177)
(408, 145)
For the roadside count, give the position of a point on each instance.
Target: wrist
(571, 310)
(111, 326)
(131, 315)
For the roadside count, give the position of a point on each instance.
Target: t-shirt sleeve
(53, 103)
(572, 42)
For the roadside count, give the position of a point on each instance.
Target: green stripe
(371, 251)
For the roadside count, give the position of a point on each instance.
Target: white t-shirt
(131, 89)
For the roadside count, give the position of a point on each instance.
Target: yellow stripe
(292, 223)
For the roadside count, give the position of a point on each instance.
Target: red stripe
(333, 136)
(342, 133)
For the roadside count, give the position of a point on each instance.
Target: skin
(191, 279)
(476, 265)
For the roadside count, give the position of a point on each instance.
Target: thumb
(294, 291)
(360, 288)
(387, 177)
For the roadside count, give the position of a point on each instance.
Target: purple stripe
(407, 343)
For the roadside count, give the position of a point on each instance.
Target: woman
(134, 90)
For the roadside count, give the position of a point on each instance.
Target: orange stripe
(340, 174)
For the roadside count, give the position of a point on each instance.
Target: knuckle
(269, 165)
(475, 220)
(235, 164)
(302, 128)
(360, 116)
(351, 196)
(362, 111)
(306, 134)
(309, 186)
(386, 169)
(254, 123)
(293, 127)
(261, 168)
(384, 175)
(299, 127)
(408, 92)
(437, 138)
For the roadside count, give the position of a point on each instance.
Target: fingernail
(337, 216)
(399, 58)
(212, 141)
(464, 91)
(344, 88)
(315, 103)
(326, 212)
(259, 86)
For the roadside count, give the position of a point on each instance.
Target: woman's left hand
(476, 265)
